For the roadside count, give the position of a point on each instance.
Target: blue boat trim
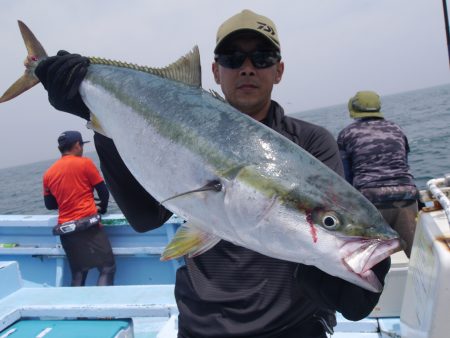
(29, 240)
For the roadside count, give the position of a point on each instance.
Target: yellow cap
(248, 20)
(365, 104)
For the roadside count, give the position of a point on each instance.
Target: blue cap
(69, 138)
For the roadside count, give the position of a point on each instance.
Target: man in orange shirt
(68, 186)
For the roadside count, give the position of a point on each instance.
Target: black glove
(326, 291)
(61, 76)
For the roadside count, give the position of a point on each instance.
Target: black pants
(401, 216)
(86, 250)
(105, 278)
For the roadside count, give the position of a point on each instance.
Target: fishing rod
(447, 28)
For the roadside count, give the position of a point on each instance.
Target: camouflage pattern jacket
(375, 156)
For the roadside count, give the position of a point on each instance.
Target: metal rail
(440, 190)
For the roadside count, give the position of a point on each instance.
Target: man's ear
(279, 72)
(215, 70)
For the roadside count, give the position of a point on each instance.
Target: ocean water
(424, 116)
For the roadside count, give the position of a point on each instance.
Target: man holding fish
(227, 289)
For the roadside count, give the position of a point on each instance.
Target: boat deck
(148, 311)
(35, 295)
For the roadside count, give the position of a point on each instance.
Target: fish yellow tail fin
(35, 54)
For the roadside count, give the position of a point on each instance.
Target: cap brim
(243, 31)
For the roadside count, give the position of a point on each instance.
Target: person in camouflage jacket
(374, 152)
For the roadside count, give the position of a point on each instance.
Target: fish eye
(330, 222)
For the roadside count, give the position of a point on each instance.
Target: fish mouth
(360, 255)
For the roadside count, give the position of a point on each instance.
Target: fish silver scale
(175, 138)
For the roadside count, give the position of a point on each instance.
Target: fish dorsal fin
(186, 69)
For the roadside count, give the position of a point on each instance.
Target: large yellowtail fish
(229, 176)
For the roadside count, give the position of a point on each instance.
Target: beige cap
(248, 20)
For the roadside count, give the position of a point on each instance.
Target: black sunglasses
(259, 59)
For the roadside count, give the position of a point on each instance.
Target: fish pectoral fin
(189, 240)
(214, 185)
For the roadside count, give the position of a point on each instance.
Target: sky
(331, 49)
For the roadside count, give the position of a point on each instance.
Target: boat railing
(438, 193)
(28, 239)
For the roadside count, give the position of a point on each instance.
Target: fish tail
(35, 54)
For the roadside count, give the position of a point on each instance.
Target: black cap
(69, 138)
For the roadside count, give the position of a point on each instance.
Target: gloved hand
(101, 209)
(61, 76)
(352, 301)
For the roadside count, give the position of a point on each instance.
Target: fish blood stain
(312, 229)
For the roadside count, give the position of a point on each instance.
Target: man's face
(248, 88)
(78, 149)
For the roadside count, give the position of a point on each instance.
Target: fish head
(335, 229)
(361, 235)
